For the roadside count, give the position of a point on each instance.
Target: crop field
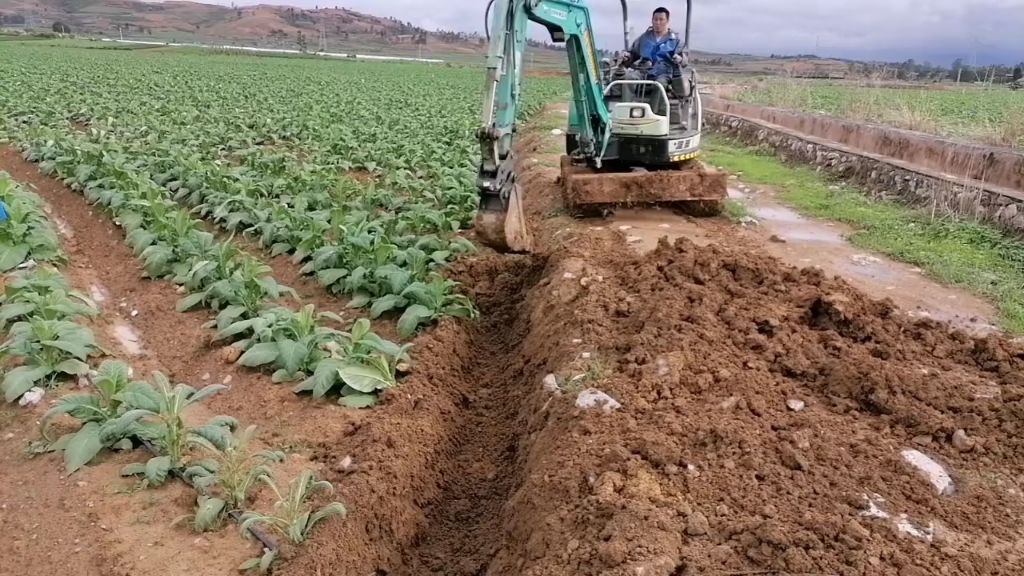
(994, 116)
(245, 329)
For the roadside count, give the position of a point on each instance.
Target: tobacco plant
(292, 517)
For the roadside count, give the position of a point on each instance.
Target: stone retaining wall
(879, 175)
(1000, 166)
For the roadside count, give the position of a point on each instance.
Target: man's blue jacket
(660, 52)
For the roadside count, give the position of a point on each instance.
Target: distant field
(991, 116)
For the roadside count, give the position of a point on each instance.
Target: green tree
(61, 28)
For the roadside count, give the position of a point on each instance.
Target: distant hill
(262, 24)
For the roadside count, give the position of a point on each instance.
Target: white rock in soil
(32, 397)
(634, 239)
(625, 227)
(206, 376)
(748, 221)
(556, 132)
(962, 442)
(594, 398)
(568, 275)
(550, 383)
(135, 313)
(795, 405)
(864, 259)
(936, 474)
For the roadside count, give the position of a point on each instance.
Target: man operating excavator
(658, 51)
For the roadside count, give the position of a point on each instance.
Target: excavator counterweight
(629, 139)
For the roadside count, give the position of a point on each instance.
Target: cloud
(891, 29)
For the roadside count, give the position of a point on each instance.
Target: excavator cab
(655, 139)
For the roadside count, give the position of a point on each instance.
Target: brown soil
(473, 467)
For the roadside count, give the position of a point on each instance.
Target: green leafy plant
(49, 349)
(233, 470)
(159, 411)
(208, 515)
(261, 564)
(432, 300)
(101, 414)
(361, 362)
(42, 293)
(27, 233)
(292, 342)
(292, 517)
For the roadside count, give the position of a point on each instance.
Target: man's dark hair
(662, 10)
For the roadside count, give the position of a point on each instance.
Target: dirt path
(92, 523)
(800, 241)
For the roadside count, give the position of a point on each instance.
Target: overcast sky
(939, 30)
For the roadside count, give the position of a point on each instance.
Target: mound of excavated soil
(708, 468)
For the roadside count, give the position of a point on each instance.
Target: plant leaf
(259, 354)
(365, 379)
(412, 317)
(82, 447)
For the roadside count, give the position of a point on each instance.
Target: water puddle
(777, 214)
(98, 293)
(128, 338)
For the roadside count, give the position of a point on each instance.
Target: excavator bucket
(692, 186)
(505, 231)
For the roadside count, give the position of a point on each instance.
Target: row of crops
(47, 342)
(360, 173)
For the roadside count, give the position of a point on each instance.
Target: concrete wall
(879, 174)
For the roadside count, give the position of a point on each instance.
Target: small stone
(230, 354)
(9, 436)
(729, 403)
(625, 227)
(634, 239)
(180, 290)
(344, 465)
(721, 554)
(776, 238)
(206, 376)
(795, 405)
(856, 531)
(201, 542)
(81, 484)
(573, 545)
(722, 510)
(962, 442)
(591, 398)
(135, 313)
(671, 469)
(922, 440)
(550, 383)
(697, 524)
(227, 379)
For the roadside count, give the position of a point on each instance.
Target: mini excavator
(627, 141)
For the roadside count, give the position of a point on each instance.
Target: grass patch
(953, 251)
(735, 211)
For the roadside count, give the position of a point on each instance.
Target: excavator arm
(500, 220)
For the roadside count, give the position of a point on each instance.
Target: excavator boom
(500, 219)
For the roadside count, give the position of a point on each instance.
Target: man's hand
(678, 58)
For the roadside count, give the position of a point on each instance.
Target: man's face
(660, 23)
